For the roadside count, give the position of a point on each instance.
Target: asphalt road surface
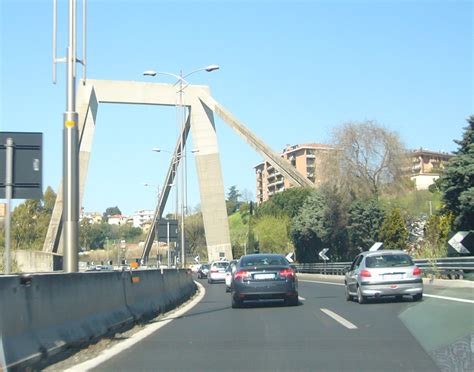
(323, 333)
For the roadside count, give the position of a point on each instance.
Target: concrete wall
(44, 313)
(37, 261)
(424, 181)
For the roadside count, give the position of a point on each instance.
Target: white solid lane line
(339, 319)
(320, 282)
(139, 336)
(456, 299)
(449, 298)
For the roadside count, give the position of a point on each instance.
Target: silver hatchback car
(383, 273)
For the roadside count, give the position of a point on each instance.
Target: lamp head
(149, 73)
(212, 68)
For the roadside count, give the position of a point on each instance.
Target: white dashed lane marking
(339, 319)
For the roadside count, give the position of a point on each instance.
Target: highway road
(325, 332)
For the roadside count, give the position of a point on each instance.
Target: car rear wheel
(236, 303)
(360, 297)
(209, 281)
(348, 295)
(418, 297)
(292, 301)
(227, 289)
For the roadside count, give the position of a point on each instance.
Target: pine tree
(394, 233)
(457, 183)
(364, 223)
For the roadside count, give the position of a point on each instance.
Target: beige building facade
(426, 161)
(427, 166)
(306, 158)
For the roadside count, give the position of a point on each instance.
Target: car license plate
(392, 276)
(264, 276)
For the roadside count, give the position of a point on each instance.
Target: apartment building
(141, 217)
(427, 166)
(306, 158)
(117, 219)
(93, 217)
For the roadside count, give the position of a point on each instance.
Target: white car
(229, 272)
(217, 271)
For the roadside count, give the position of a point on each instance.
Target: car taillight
(287, 273)
(241, 275)
(416, 271)
(365, 273)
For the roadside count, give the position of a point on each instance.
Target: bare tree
(367, 158)
(247, 195)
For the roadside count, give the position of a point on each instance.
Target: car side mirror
(294, 268)
(347, 269)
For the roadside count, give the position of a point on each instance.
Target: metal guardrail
(452, 267)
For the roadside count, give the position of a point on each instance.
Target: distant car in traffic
(195, 267)
(203, 270)
(383, 273)
(229, 274)
(217, 271)
(100, 268)
(264, 276)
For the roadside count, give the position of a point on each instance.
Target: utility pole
(71, 154)
(70, 195)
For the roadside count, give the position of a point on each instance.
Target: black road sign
(462, 242)
(27, 164)
(162, 230)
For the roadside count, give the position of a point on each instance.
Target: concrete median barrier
(42, 314)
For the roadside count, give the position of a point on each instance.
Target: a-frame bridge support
(201, 124)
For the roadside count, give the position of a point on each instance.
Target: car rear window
(220, 264)
(263, 261)
(388, 260)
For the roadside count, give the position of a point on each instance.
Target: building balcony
(276, 183)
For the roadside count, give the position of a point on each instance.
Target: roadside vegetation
(364, 196)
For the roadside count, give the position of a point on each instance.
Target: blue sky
(290, 70)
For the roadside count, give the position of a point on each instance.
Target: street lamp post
(183, 84)
(157, 187)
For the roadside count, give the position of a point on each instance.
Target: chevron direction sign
(460, 242)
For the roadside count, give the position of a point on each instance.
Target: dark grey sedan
(264, 276)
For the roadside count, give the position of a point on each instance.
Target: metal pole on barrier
(71, 155)
(168, 242)
(9, 195)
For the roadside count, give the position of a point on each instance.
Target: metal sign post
(8, 194)
(21, 154)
